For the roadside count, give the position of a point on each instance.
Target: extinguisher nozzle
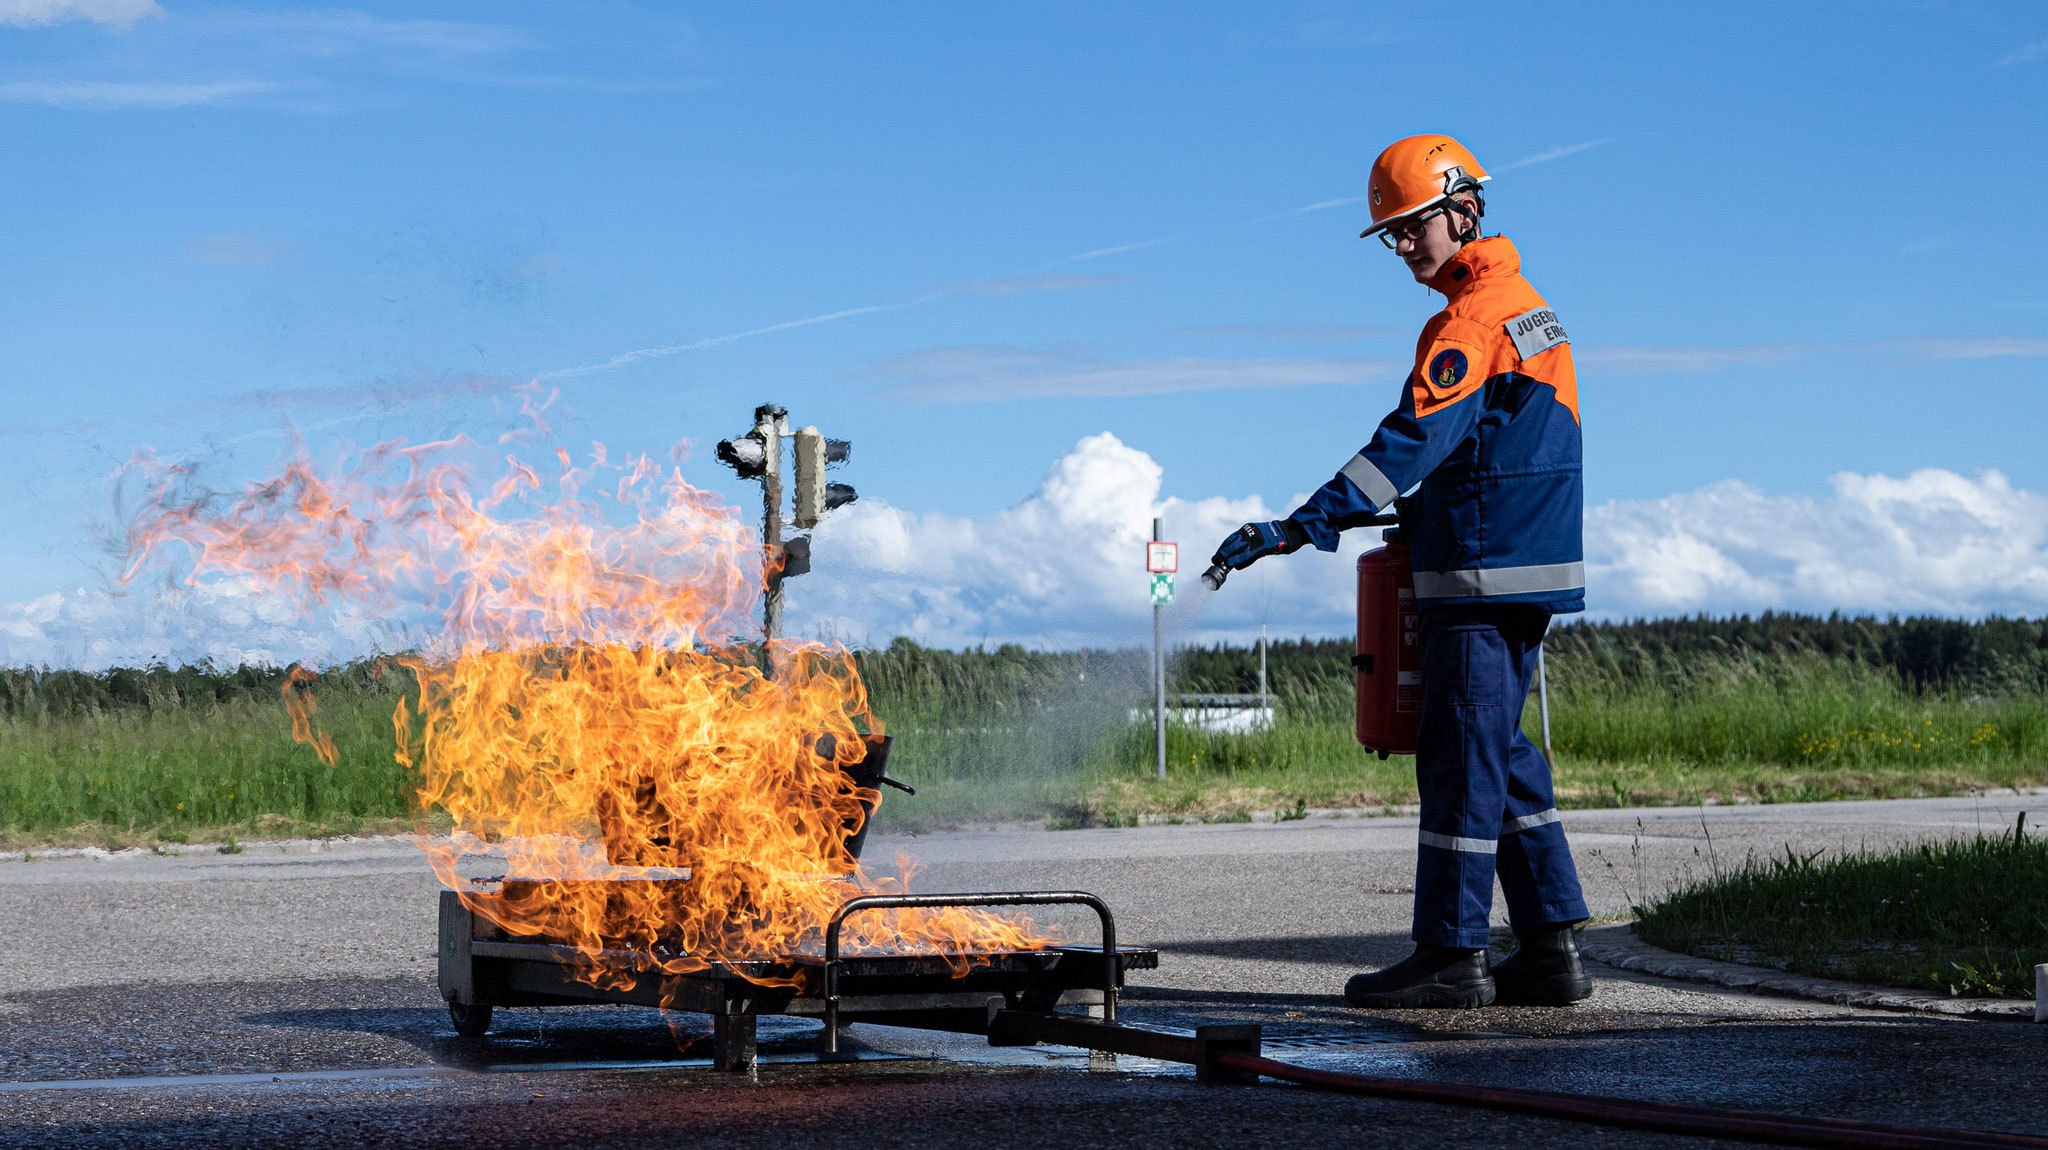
(1213, 578)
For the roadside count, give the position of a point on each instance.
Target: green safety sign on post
(1162, 559)
(1162, 589)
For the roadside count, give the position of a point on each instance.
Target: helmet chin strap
(1471, 232)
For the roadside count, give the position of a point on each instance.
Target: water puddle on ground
(1374, 1052)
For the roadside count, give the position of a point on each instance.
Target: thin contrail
(624, 358)
(1305, 209)
(1098, 253)
(1319, 205)
(1557, 153)
(645, 353)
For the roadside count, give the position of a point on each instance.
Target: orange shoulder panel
(1554, 367)
(1493, 303)
(1455, 358)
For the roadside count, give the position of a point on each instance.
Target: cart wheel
(471, 1019)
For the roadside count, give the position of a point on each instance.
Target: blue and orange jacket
(1489, 427)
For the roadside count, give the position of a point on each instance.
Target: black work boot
(1450, 976)
(1544, 971)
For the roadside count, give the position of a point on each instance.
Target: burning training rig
(1014, 996)
(985, 993)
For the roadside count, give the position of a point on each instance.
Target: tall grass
(1663, 712)
(1002, 734)
(1966, 917)
(1633, 724)
(161, 753)
(1780, 708)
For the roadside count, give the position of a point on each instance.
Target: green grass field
(1677, 711)
(1964, 918)
(173, 758)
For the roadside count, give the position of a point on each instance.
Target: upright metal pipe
(1263, 704)
(771, 425)
(1159, 670)
(1543, 705)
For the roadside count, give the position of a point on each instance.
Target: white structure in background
(1223, 714)
(1218, 714)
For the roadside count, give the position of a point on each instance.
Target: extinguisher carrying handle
(1383, 519)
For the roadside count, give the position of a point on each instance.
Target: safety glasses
(1411, 228)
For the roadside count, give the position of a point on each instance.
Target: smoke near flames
(586, 705)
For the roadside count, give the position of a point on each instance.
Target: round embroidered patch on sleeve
(1447, 367)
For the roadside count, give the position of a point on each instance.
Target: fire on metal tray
(587, 703)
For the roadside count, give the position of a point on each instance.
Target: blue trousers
(1487, 805)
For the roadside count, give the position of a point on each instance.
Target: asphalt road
(285, 995)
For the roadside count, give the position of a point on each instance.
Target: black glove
(1254, 541)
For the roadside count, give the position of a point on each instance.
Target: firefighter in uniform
(1487, 436)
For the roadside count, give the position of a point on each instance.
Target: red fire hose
(1660, 1117)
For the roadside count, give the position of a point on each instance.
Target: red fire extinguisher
(1389, 658)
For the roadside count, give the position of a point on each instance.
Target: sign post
(1162, 559)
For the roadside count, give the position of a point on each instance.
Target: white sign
(1162, 589)
(1162, 557)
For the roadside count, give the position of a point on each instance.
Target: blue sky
(1789, 241)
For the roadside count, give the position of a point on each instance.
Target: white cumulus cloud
(227, 622)
(1934, 542)
(1064, 567)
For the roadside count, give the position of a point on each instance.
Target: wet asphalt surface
(287, 998)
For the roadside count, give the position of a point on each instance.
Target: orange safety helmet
(1417, 173)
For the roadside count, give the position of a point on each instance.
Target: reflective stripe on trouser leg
(1454, 843)
(1461, 772)
(1520, 823)
(1537, 875)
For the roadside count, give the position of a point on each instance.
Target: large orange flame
(585, 705)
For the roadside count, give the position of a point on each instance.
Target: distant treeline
(29, 693)
(1989, 655)
(1924, 652)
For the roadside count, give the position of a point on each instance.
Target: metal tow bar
(1232, 1054)
(1112, 976)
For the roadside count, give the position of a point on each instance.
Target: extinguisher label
(1408, 677)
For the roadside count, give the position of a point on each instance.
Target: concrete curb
(1617, 946)
(293, 845)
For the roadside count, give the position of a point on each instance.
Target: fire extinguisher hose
(1629, 1114)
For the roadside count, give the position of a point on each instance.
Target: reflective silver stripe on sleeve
(1529, 822)
(1454, 843)
(1500, 580)
(1370, 480)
